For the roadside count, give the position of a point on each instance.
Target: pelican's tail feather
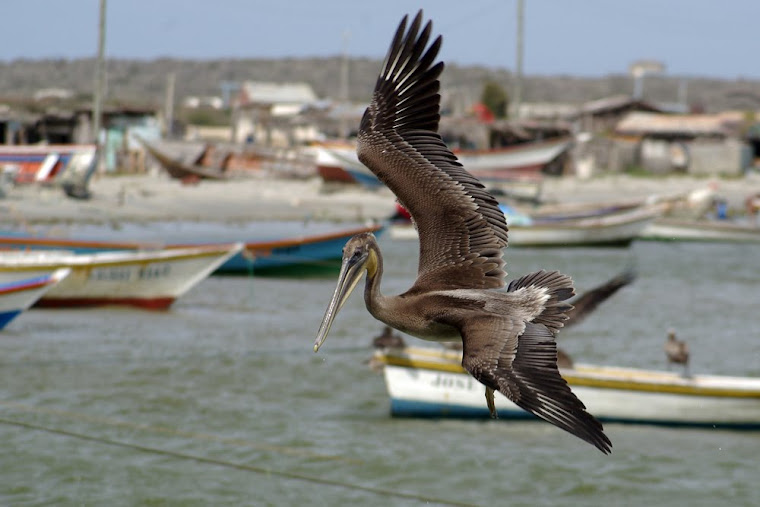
(557, 287)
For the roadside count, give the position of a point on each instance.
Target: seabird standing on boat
(507, 336)
(388, 339)
(677, 351)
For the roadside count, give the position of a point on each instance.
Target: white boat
(522, 163)
(506, 163)
(716, 231)
(425, 382)
(614, 229)
(20, 295)
(147, 279)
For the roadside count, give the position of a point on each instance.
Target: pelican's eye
(357, 254)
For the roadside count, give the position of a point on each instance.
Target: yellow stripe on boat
(583, 375)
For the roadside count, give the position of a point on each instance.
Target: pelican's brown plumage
(507, 336)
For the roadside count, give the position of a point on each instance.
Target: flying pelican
(507, 336)
(677, 351)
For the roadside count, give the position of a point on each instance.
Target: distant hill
(144, 82)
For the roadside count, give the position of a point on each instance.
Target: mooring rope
(238, 466)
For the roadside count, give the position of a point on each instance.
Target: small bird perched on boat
(507, 335)
(388, 339)
(677, 351)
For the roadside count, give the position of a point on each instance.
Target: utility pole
(99, 83)
(169, 105)
(519, 59)
(344, 88)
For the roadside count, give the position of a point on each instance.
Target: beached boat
(147, 279)
(524, 159)
(715, 231)
(426, 382)
(612, 229)
(181, 169)
(20, 295)
(339, 163)
(44, 163)
(522, 163)
(302, 254)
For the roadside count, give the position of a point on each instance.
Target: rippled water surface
(221, 400)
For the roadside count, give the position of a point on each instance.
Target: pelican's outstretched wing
(525, 370)
(462, 231)
(587, 302)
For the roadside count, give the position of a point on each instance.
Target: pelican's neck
(372, 296)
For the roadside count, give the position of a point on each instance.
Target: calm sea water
(221, 400)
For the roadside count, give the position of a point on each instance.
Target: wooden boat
(617, 229)
(339, 163)
(20, 295)
(147, 279)
(522, 163)
(299, 255)
(425, 382)
(183, 170)
(716, 231)
(44, 163)
(524, 159)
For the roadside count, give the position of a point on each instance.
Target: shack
(698, 144)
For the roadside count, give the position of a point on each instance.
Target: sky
(562, 37)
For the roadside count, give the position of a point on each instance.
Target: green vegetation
(495, 98)
(206, 117)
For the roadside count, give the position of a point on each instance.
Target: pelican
(507, 335)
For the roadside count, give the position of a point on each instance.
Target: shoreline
(147, 198)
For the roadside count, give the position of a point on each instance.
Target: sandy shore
(151, 198)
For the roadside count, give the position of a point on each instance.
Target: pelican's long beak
(351, 272)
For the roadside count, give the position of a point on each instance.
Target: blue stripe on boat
(407, 408)
(6, 317)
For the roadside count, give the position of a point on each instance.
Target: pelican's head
(359, 254)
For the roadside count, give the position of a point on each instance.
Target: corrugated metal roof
(615, 102)
(639, 123)
(260, 92)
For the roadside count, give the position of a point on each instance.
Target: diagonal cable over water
(107, 421)
(229, 464)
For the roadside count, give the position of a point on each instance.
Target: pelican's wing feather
(520, 361)
(461, 228)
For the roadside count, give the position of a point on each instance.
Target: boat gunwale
(28, 284)
(148, 246)
(85, 261)
(590, 376)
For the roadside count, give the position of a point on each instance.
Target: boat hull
(429, 386)
(152, 280)
(18, 296)
(302, 256)
(666, 229)
(294, 256)
(616, 230)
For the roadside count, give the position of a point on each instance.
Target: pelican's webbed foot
(491, 403)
